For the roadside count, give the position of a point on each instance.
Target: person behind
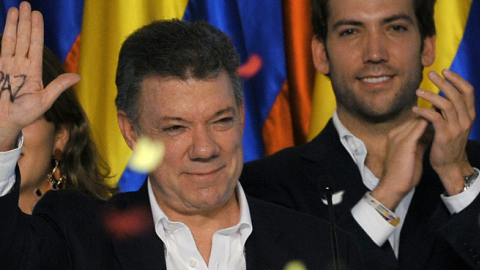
(177, 83)
(58, 150)
(401, 175)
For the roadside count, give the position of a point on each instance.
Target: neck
(205, 222)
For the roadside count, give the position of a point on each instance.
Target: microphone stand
(328, 195)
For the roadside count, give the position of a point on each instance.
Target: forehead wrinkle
(346, 22)
(397, 17)
(216, 114)
(392, 18)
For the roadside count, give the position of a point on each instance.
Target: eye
(224, 123)
(347, 32)
(399, 28)
(173, 130)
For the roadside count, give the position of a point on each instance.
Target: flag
(63, 23)
(287, 103)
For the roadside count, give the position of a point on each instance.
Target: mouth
(204, 173)
(374, 80)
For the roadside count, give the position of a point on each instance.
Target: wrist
(387, 196)
(8, 141)
(385, 212)
(454, 180)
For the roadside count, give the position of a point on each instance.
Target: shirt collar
(161, 221)
(357, 150)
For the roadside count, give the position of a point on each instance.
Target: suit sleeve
(28, 242)
(461, 231)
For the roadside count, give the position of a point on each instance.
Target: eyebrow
(395, 17)
(218, 113)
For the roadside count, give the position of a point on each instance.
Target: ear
(319, 54)
(428, 53)
(61, 138)
(127, 129)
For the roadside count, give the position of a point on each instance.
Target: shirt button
(193, 263)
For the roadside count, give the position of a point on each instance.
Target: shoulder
(70, 211)
(321, 147)
(296, 235)
(285, 219)
(67, 200)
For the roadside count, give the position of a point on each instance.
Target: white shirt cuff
(372, 222)
(457, 203)
(8, 161)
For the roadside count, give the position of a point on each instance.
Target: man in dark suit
(177, 83)
(403, 177)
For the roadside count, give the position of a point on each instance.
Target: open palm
(23, 99)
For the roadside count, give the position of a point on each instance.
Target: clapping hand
(452, 118)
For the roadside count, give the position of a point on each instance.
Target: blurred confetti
(295, 265)
(146, 157)
(251, 67)
(127, 223)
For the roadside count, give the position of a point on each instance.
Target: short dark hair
(424, 10)
(173, 48)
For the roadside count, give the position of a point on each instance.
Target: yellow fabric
(450, 19)
(105, 26)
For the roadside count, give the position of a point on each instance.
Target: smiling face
(201, 126)
(373, 54)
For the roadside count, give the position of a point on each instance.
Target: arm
(452, 118)
(27, 242)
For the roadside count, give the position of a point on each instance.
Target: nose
(375, 50)
(204, 145)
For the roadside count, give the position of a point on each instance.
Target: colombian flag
(286, 103)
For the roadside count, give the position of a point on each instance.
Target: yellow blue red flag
(287, 103)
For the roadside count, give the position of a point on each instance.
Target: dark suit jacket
(66, 232)
(431, 238)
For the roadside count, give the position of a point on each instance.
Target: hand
(402, 167)
(452, 118)
(22, 96)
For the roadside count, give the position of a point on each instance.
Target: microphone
(327, 193)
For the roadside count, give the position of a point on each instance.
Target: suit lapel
(261, 250)
(329, 164)
(140, 251)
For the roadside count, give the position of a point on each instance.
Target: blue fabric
(131, 180)
(63, 22)
(467, 60)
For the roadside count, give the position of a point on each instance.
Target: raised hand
(452, 118)
(23, 99)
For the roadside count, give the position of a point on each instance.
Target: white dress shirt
(366, 216)
(227, 244)
(8, 161)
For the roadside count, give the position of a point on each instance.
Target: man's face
(374, 56)
(201, 126)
